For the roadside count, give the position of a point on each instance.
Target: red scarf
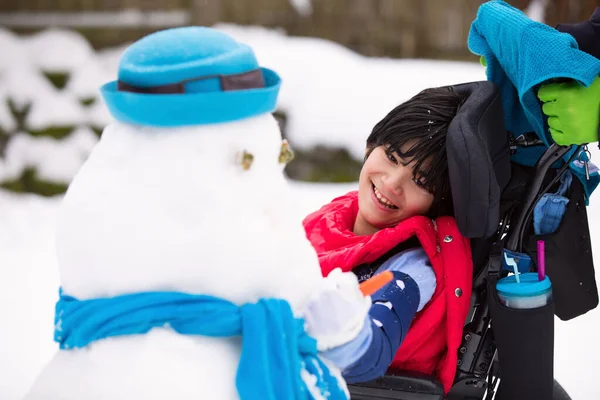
(431, 345)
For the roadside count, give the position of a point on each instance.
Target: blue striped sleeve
(368, 356)
(416, 264)
(394, 307)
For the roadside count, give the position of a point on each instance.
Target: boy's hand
(573, 111)
(336, 313)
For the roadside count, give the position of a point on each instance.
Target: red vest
(431, 345)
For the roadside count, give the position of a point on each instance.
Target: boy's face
(388, 193)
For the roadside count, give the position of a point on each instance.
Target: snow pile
(29, 289)
(54, 110)
(31, 104)
(58, 50)
(97, 114)
(85, 80)
(302, 7)
(8, 123)
(25, 85)
(54, 160)
(10, 44)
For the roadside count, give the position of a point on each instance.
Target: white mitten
(336, 312)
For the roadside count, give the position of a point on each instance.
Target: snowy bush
(48, 109)
(49, 95)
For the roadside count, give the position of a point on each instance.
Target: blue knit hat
(190, 76)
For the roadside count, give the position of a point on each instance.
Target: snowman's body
(158, 209)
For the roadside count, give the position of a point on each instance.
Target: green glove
(573, 111)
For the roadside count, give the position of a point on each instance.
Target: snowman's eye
(286, 154)
(246, 160)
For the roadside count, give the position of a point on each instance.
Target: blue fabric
(549, 210)
(394, 307)
(522, 260)
(514, 65)
(174, 55)
(347, 354)
(416, 264)
(410, 264)
(275, 347)
(375, 362)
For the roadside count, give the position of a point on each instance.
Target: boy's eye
(391, 157)
(420, 183)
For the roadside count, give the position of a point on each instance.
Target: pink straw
(541, 261)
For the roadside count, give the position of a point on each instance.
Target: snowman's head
(197, 207)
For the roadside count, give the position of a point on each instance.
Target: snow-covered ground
(30, 281)
(332, 96)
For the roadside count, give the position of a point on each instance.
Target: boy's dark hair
(419, 126)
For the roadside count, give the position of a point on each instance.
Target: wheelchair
(503, 355)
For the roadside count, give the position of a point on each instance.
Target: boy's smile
(388, 192)
(385, 203)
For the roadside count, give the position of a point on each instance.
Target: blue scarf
(275, 348)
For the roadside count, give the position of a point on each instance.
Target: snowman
(183, 275)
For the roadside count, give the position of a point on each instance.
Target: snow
(157, 209)
(97, 114)
(54, 109)
(316, 71)
(29, 290)
(7, 120)
(536, 10)
(302, 7)
(11, 44)
(58, 50)
(85, 80)
(54, 160)
(166, 366)
(140, 179)
(29, 267)
(25, 85)
(331, 95)
(110, 58)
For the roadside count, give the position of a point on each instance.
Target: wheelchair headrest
(478, 153)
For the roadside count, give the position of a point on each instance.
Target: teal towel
(521, 54)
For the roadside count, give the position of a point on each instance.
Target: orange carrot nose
(375, 283)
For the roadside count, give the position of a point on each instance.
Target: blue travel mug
(529, 293)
